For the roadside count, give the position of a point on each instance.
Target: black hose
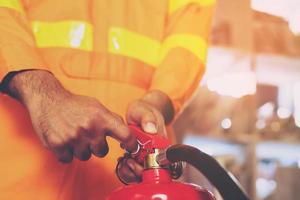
(210, 168)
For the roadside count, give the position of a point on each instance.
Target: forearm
(162, 103)
(32, 86)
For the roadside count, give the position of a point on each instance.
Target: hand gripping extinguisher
(162, 162)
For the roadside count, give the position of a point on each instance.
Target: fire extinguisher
(163, 163)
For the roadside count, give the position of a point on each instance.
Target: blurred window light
(284, 113)
(287, 154)
(284, 72)
(226, 123)
(265, 187)
(287, 9)
(228, 72)
(297, 103)
(235, 84)
(266, 110)
(297, 119)
(260, 124)
(285, 96)
(221, 60)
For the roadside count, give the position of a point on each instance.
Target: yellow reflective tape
(131, 44)
(134, 45)
(12, 4)
(177, 4)
(68, 34)
(192, 43)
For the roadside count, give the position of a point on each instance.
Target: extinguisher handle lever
(149, 141)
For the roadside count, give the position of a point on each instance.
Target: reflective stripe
(134, 45)
(192, 43)
(150, 51)
(12, 4)
(176, 4)
(68, 34)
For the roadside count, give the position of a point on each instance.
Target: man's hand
(67, 124)
(151, 113)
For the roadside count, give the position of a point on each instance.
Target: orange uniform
(114, 50)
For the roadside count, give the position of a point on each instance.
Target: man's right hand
(67, 124)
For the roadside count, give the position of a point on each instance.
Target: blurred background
(246, 112)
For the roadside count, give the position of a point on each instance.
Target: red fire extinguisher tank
(158, 185)
(160, 159)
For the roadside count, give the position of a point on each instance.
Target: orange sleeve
(17, 44)
(183, 51)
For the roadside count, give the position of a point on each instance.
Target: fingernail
(150, 128)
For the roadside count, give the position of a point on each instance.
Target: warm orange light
(229, 73)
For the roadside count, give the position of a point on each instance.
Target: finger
(99, 147)
(82, 150)
(135, 167)
(119, 130)
(126, 174)
(64, 154)
(142, 115)
(160, 123)
(149, 123)
(153, 122)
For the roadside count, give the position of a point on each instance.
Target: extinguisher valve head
(176, 168)
(151, 161)
(161, 158)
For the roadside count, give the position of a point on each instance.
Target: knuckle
(117, 120)
(127, 138)
(57, 145)
(53, 140)
(94, 116)
(112, 122)
(86, 123)
(73, 136)
(56, 142)
(132, 105)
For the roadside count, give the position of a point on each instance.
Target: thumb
(148, 121)
(142, 114)
(149, 127)
(153, 123)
